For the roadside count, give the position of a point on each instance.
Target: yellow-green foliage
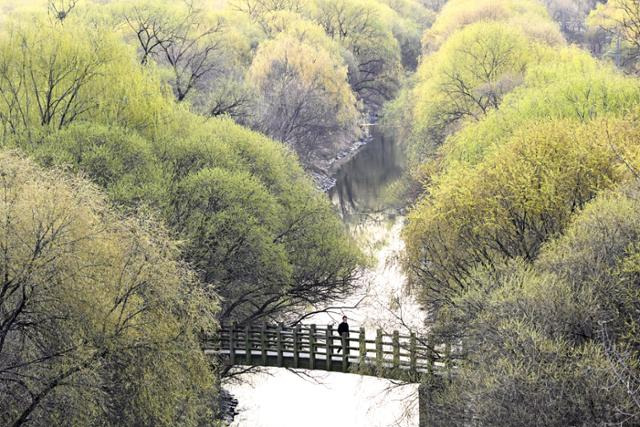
(207, 54)
(598, 255)
(556, 334)
(412, 10)
(523, 243)
(530, 360)
(617, 23)
(299, 74)
(608, 15)
(476, 53)
(467, 78)
(53, 75)
(95, 300)
(170, 154)
(573, 86)
(508, 205)
(363, 27)
(246, 214)
(527, 15)
(271, 227)
(120, 161)
(481, 55)
(459, 88)
(315, 66)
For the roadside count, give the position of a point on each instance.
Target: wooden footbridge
(393, 356)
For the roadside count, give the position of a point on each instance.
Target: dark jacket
(343, 328)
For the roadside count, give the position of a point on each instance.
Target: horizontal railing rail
(391, 355)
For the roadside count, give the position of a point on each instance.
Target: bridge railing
(313, 347)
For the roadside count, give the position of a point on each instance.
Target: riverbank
(324, 171)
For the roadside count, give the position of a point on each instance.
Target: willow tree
(508, 205)
(306, 100)
(258, 9)
(45, 77)
(571, 15)
(568, 83)
(181, 38)
(408, 22)
(465, 80)
(254, 225)
(91, 300)
(620, 19)
(58, 75)
(149, 152)
(474, 55)
(374, 54)
(530, 16)
(519, 246)
(553, 342)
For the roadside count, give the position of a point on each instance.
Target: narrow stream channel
(360, 181)
(280, 398)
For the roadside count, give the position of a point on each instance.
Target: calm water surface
(359, 181)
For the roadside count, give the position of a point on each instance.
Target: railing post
(247, 345)
(219, 342)
(362, 348)
(396, 349)
(296, 346)
(232, 343)
(263, 344)
(345, 353)
(431, 361)
(329, 349)
(379, 354)
(412, 354)
(279, 343)
(447, 359)
(312, 346)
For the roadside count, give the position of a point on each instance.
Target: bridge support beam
(232, 343)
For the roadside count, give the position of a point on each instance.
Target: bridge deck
(386, 355)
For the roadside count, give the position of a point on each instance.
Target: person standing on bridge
(343, 331)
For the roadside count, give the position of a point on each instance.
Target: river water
(360, 181)
(280, 398)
